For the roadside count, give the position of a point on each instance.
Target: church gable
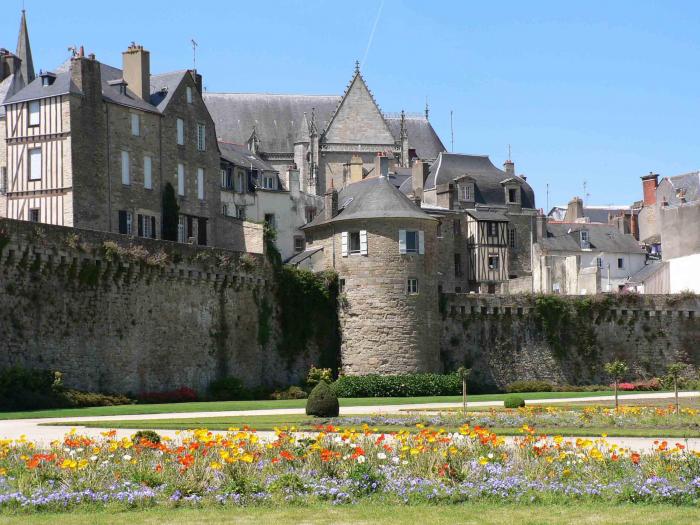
(357, 120)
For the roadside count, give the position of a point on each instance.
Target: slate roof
(690, 182)
(301, 256)
(8, 87)
(276, 118)
(565, 237)
(163, 87)
(421, 136)
(487, 177)
(61, 86)
(487, 215)
(594, 213)
(241, 156)
(647, 271)
(372, 198)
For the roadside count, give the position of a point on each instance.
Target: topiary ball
(513, 402)
(322, 402)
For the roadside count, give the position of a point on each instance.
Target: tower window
(412, 286)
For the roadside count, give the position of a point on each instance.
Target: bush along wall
(400, 385)
(565, 339)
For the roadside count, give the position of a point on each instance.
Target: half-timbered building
(487, 249)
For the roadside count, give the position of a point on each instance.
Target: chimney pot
(649, 184)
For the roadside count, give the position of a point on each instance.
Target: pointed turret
(24, 51)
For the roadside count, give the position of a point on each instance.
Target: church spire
(24, 51)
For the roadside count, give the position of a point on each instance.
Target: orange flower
(635, 457)
(287, 455)
(158, 468)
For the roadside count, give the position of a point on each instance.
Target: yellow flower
(483, 461)
(215, 466)
(3, 471)
(558, 439)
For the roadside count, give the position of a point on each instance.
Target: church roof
(421, 136)
(372, 198)
(24, 51)
(242, 156)
(449, 167)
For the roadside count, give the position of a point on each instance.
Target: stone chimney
(136, 66)
(9, 64)
(197, 80)
(85, 74)
(330, 199)
(293, 177)
(381, 165)
(649, 185)
(540, 226)
(355, 169)
(574, 211)
(445, 195)
(509, 168)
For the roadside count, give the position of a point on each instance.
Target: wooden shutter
(402, 241)
(363, 242)
(153, 227)
(139, 220)
(421, 242)
(344, 244)
(122, 221)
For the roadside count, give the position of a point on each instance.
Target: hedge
(403, 385)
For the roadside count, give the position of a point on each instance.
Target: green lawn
(306, 423)
(370, 514)
(219, 406)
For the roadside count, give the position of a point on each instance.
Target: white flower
(490, 455)
(66, 449)
(404, 462)
(127, 457)
(93, 458)
(395, 460)
(381, 455)
(338, 439)
(79, 449)
(360, 459)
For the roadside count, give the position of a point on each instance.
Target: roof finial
(357, 67)
(312, 124)
(427, 109)
(403, 134)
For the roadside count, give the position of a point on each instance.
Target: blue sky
(601, 92)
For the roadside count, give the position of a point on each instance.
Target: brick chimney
(136, 66)
(330, 208)
(649, 184)
(575, 210)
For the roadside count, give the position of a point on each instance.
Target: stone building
(252, 189)
(93, 146)
(383, 247)
(469, 195)
(330, 139)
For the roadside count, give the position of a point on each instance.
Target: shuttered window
(125, 222)
(147, 173)
(411, 241)
(181, 179)
(147, 226)
(200, 184)
(180, 131)
(135, 125)
(363, 242)
(188, 91)
(201, 137)
(35, 164)
(344, 248)
(126, 179)
(34, 112)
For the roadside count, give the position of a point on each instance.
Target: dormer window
(119, 84)
(585, 242)
(512, 196)
(47, 79)
(466, 191)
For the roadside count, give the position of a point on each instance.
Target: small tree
(463, 374)
(675, 371)
(171, 212)
(616, 369)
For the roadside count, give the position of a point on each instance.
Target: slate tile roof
(565, 237)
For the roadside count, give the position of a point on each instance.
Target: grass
(482, 514)
(220, 406)
(306, 423)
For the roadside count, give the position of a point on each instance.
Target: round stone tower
(383, 248)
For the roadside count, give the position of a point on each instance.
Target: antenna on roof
(509, 152)
(586, 195)
(194, 54)
(452, 133)
(547, 197)
(427, 109)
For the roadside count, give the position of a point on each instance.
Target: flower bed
(340, 466)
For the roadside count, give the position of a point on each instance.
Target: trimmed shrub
(149, 435)
(529, 386)
(513, 402)
(229, 389)
(403, 385)
(648, 385)
(293, 392)
(322, 402)
(582, 388)
(628, 387)
(183, 394)
(78, 399)
(25, 389)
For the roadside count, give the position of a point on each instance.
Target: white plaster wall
(685, 273)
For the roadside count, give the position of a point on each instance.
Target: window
(491, 229)
(584, 239)
(125, 222)
(188, 92)
(240, 212)
(494, 261)
(268, 182)
(34, 113)
(512, 195)
(224, 209)
(147, 226)
(34, 215)
(201, 137)
(458, 265)
(126, 179)
(298, 244)
(135, 125)
(599, 262)
(309, 213)
(466, 190)
(620, 263)
(202, 231)
(200, 184)
(411, 241)
(511, 237)
(270, 220)
(439, 230)
(3, 180)
(226, 179)
(455, 227)
(180, 131)
(147, 173)
(354, 242)
(341, 285)
(412, 286)
(181, 179)
(240, 182)
(181, 229)
(34, 164)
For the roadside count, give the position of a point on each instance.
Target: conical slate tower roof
(24, 51)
